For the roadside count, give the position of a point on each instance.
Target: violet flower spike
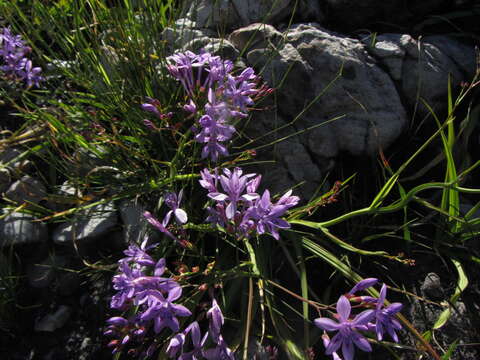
(347, 337)
(385, 317)
(173, 202)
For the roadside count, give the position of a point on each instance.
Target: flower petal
(343, 308)
(181, 216)
(327, 324)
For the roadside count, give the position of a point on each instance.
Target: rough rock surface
(18, 228)
(231, 14)
(363, 101)
(255, 36)
(422, 67)
(93, 223)
(27, 189)
(459, 327)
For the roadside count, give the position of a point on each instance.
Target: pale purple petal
(327, 324)
(343, 308)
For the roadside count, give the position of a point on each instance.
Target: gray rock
(230, 14)
(135, 226)
(432, 287)
(42, 274)
(18, 228)
(422, 67)
(255, 36)
(366, 97)
(52, 322)
(213, 14)
(27, 189)
(267, 11)
(5, 180)
(90, 224)
(220, 47)
(183, 32)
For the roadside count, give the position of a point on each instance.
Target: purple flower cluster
(16, 66)
(228, 97)
(140, 286)
(379, 320)
(239, 208)
(219, 352)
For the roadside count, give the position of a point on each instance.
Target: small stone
(27, 189)
(90, 224)
(432, 287)
(18, 228)
(52, 322)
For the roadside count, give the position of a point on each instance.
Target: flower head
(347, 335)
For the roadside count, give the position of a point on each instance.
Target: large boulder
(231, 14)
(330, 97)
(422, 67)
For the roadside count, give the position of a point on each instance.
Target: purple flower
(220, 352)
(215, 316)
(267, 215)
(175, 345)
(173, 202)
(125, 285)
(209, 181)
(16, 65)
(347, 335)
(326, 342)
(234, 184)
(139, 255)
(30, 74)
(198, 342)
(362, 285)
(162, 311)
(385, 317)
